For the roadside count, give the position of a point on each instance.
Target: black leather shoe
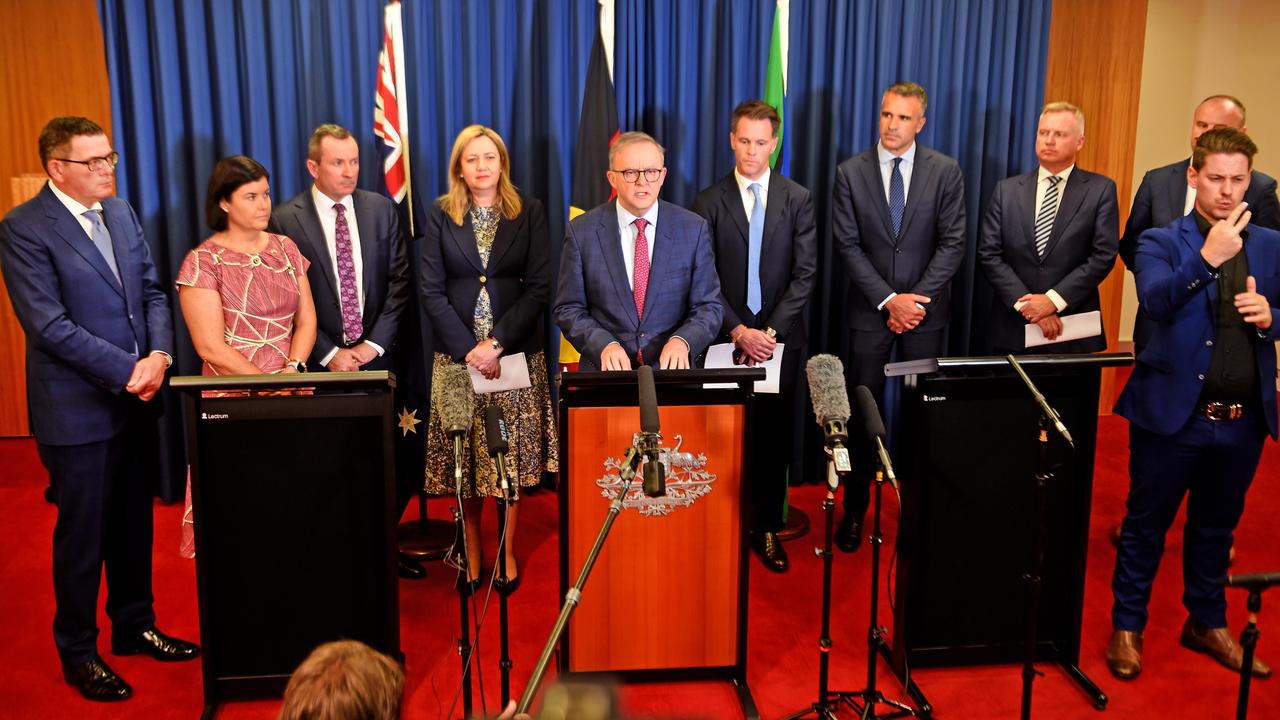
(510, 586)
(156, 644)
(409, 568)
(467, 588)
(96, 681)
(848, 533)
(771, 551)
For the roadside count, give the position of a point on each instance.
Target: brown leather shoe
(1124, 654)
(1219, 644)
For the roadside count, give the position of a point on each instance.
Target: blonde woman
(485, 286)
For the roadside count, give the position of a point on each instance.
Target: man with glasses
(99, 338)
(638, 283)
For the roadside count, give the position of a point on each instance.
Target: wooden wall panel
(52, 62)
(1095, 61)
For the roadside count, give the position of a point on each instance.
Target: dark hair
(57, 134)
(1226, 141)
(344, 680)
(755, 110)
(910, 89)
(328, 130)
(228, 176)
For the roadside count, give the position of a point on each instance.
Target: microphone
(455, 399)
(495, 435)
(870, 413)
(655, 478)
(1253, 582)
(1045, 407)
(831, 408)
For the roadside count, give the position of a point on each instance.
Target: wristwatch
(296, 365)
(493, 343)
(773, 334)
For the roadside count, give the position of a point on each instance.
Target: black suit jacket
(788, 256)
(517, 277)
(928, 251)
(384, 262)
(1079, 256)
(1160, 200)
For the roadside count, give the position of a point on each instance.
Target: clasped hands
(350, 359)
(1038, 308)
(756, 345)
(906, 311)
(675, 356)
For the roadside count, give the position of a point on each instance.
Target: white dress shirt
(1042, 187)
(886, 172)
(77, 210)
(328, 222)
(748, 197)
(627, 233)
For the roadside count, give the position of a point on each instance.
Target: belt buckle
(1223, 411)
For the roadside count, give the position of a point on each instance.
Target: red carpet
(783, 629)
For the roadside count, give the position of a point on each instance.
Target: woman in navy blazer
(485, 286)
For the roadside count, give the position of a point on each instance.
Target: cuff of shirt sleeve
(886, 300)
(168, 359)
(324, 361)
(377, 348)
(686, 342)
(1057, 299)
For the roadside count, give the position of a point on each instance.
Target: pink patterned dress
(259, 293)
(259, 296)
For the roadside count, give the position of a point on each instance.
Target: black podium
(966, 454)
(667, 599)
(292, 482)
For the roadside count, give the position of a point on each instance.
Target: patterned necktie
(897, 196)
(755, 238)
(640, 276)
(1044, 219)
(102, 241)
(352, 326)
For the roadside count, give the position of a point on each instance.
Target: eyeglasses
(632, 175)
(95, 164)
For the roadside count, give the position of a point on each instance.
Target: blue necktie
(897, 197)
(755, 236)
(102, 240)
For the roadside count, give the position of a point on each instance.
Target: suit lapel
(732, 200)
(371, 251)
(464, 238)
(870, 167)
(772, 212)
(504, 238)
(663, 240)
(1025, 198)
(611, 245)
(70, 230)
(1073, 194)
(1178, 189)
(313, 236)
(920, 175)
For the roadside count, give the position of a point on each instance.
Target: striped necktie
(1044, 219)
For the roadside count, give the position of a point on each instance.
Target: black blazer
(517, 277)
(384, 262)
(1079, 256)
(929, 250)
(1159, 201)
(788, 256)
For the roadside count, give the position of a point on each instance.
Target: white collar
(886, 157)
(73, 206)
(744, 183)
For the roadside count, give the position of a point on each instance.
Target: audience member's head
(344, 680)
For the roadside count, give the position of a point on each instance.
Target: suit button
(483, 279)
(897, 251)
(1208, 343)
(1200, 377)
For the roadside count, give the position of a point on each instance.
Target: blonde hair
(458, 198)
(1064, 106)
(342, 680)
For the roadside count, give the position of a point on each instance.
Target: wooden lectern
(294, 497)
(966, 461)
(667, 599)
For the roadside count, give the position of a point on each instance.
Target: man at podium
(638, 282)
(1200, 401)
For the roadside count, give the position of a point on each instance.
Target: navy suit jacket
(85, 329)
(788, 255)
(1079, 256)
(1180, 295)
(383, 260)
(517, 277)
(928, 250)
(1160, 200)
(594, 302)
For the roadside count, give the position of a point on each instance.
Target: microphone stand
(630, 464)
(1248, 641)
(509, 497)
(1049, 419)
(464, 588)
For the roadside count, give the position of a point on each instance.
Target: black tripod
(464, 617)
(1255, 584)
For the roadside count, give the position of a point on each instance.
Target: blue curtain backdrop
(196, 80)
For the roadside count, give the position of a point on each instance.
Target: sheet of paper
(515, 375)
(721, 356)
(1074, 327)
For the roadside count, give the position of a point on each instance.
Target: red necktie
(640, 276)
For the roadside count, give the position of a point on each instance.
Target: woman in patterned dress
(485, 287)
(243, 292)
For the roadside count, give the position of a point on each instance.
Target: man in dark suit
(99, 339)
(898, 222)
(1164, 195)
(766, 255)
(1200, 402)
(638, 280)
(359, 271)
(1048, 240)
